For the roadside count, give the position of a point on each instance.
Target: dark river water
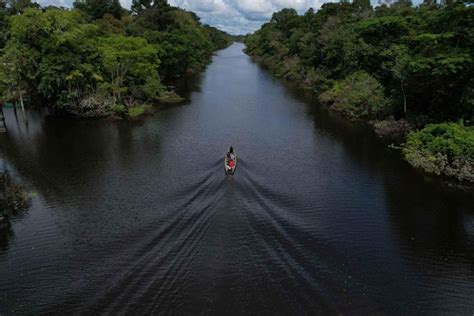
(320, 217)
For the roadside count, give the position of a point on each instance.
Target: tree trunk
(14, 109)
(404, 98)
(3, 117)
(23, 107)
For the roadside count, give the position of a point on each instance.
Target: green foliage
(382, 31)
(421, 56)
(85, 60)
(359, 96)
(361, 5)
(17, 67)
(342, 50)
(129, 62)
(119, 110)
(52, 52)
(218, 38)
(186, 45)
(443, 149)
(137, 111)
(96, 9)
(138, 6)
(15, 7)
(3, 24)
(170, 97)
(355, 55)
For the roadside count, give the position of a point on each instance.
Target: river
(320, 217)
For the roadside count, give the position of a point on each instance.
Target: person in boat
(231, 154)
(230, 160)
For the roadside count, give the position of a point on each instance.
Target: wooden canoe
(228, 170)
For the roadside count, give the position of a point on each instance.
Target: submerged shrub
(93, 105)
(13, 195)
(359, 96)
(119, 110)
(138, 111)
(170, 97)
(391, 128)
(443, 149)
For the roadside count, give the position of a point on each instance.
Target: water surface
(320, 216)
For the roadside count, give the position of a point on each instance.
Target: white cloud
(56, 3)
(242, 16)
(233, 16)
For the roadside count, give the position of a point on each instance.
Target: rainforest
(408, 70)
(98, 59)
(151, 163)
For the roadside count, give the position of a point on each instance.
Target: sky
(242, 16)
(233, 16)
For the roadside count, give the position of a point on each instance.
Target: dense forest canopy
(99, 56)
(422, 56)
(402, 65)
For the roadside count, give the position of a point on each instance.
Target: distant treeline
(401, 66)
(98, 58)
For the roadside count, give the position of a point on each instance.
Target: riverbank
(373, 64)
(102, 61)
(104, 107)
(445, 150)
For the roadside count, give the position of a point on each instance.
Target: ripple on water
(138, 217)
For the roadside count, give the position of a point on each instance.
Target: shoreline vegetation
(408, 71)
(98, 59)
(13, 199)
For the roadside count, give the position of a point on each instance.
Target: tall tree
(83, 58)
(19, 6)
(16, 71)
(130, 61)
(3, 24)
(140, 5)
(96, 9)
(361, 5)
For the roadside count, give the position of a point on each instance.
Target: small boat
(230, 164)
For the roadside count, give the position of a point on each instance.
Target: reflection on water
(320, 216)
(6, 234)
